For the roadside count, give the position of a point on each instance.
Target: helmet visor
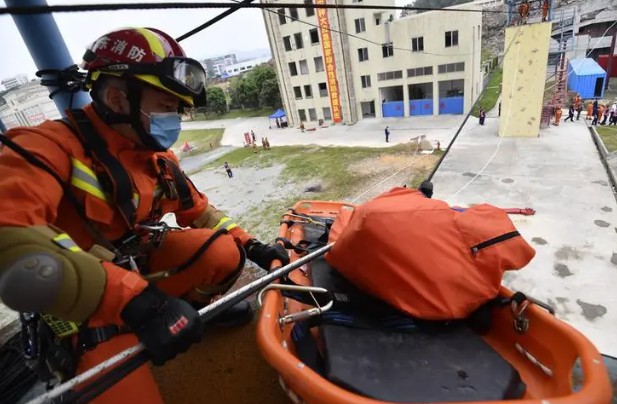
(181, 75)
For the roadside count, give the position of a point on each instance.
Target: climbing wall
(524, 75)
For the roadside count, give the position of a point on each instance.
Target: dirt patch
(389, 163)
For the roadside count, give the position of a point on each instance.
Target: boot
(237, 315)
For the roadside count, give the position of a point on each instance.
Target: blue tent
(278, 114)
(586, 77)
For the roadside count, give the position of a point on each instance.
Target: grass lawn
(235, 113)
(201, 138)
(327, 166)
(489, 97)
(608, 134)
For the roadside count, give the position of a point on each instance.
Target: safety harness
(52, 346)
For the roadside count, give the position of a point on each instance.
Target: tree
(270, 95)
(215, 100)
(248, 94)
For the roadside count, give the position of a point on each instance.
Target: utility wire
(214, 20)
(22, 10)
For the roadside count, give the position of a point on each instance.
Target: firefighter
(545, 8)
(523, 12)
(81, 237)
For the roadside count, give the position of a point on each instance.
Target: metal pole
(609, 66)
(47, 48)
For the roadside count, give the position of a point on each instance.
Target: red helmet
(149, 55)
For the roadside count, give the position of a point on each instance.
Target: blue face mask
(164, 127)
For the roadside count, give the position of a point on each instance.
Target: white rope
(518, 54)
(416, 159)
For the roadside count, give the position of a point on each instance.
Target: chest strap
(117, 182)
(174, 183)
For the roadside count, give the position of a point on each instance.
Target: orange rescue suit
(30, 197)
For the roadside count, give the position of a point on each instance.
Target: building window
(323, 90)
(287, 43)
(362, 54)
(420, 71)
(302, 114)
(281, 13)
(292, 69)
(318, 64)
(451, 38)
(387, 50)
(398, 74)
(308, 93)
(298, 40)
(312, 114)
(417, 44)
(298, 93)
(360, 27)
(377, 18)
(356, 1)
(314, 36)
(309, 10)
(451, 68)
(303, 67)
(366, 81)
(293, 13)
(327, 115)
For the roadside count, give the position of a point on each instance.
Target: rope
(21, 10)
(17, 378)
(490, 160)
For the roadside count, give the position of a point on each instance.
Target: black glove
(165, 325)
(426, 188)
(263, 254)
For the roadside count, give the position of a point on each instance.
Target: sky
(241, 32)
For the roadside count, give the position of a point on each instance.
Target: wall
(524, 72)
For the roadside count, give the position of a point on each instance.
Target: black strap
(89, 338)
(180, 180)
(35, 161)
(95, 146)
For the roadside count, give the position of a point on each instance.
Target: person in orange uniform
(558, 113)
(523, 12)
(81, 237)
(545, 8)
(589, 111)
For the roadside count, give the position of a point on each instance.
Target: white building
(27, 105)
(12, 82)
(422, 64)
(245, 66)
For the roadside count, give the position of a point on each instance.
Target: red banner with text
(330, 65)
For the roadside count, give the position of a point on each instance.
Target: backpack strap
(174, 182)
(119, 185)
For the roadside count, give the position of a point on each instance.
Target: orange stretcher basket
(543, 353)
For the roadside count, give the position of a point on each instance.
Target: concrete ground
(574, 230)
(367, 132)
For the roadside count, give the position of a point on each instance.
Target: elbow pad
(44, 271)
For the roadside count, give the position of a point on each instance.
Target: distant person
(570, 113)
(499, 109)
(253, 136)
(545, 8)
(278, 123)
(604, 114)
(267, 144)
(387, 133)
(523, 12)
(613, 118)
(230, 174)
(482, 116)
(558, 113)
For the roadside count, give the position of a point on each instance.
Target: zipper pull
(133, 264)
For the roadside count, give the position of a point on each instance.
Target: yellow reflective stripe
(66, 242)
(153, 41)
(84, 178)
(135, 200)
(223, 223)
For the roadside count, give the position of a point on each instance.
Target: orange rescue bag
(425, 258)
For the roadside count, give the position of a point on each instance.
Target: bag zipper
(495, 240)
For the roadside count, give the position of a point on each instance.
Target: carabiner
(301, 315)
